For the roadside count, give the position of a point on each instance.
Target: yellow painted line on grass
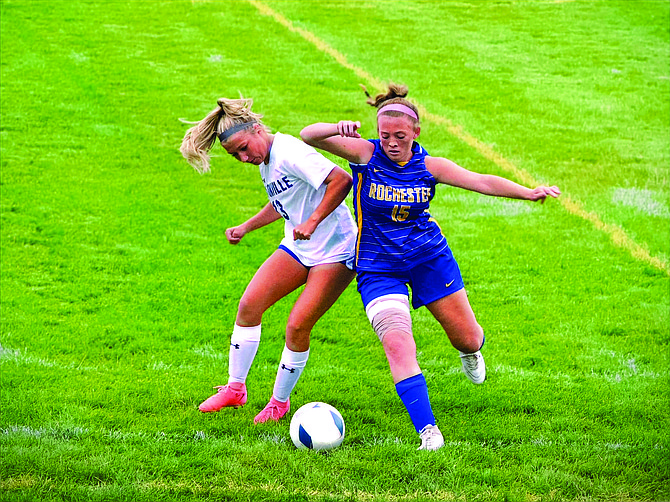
(320, 44)
(618, 235)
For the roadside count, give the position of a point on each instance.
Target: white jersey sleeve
(308, 164)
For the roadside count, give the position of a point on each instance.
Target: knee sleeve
(390, 314)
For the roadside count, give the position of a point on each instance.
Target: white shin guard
(290, 369)
(243, 347)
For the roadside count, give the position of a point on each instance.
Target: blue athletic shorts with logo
(430, 281)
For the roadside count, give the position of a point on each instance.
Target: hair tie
(235, 128)
(398, 107)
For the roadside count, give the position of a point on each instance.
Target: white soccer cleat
(431, 438)
(474, 366)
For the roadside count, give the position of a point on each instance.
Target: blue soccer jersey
(395, 229)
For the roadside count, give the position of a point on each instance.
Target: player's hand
(348, 128)
(541, 193)
(235, 234)
(303, 232)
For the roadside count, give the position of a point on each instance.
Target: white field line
(649, 202)
(609, 375)
(74, 432)
(618, 235)
(624, 368)
(18, 357)
(25, 431)
(613, 375)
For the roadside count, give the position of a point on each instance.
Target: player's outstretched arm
(264, 217)
(450, 173)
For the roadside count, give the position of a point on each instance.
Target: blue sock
(413, 393)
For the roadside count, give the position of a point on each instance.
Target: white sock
(243, 347)
(290, 368)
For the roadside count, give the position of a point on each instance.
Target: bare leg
(324, 285)
(279, 275)
(400, 350)
(455, 315)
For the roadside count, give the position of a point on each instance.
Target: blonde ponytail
(200, 138)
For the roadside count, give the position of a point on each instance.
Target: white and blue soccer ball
(317, 426)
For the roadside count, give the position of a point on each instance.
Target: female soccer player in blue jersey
(317, 251)
(400, 244)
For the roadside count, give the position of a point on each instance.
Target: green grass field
(119, 290)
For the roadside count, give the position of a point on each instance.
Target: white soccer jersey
(293, 180)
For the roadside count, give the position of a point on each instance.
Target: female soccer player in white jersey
(307, 191)
(399, 244)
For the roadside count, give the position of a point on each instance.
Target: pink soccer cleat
(274, 410)
(224, 398)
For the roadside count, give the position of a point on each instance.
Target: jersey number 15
(400, 213)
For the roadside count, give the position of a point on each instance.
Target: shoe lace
(227, 388)
(427, 436)
(471, 360)
(273, 411)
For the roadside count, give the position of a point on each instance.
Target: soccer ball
(317, 426)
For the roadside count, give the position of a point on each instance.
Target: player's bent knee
(389, 313)
(249, 313)
(297, 335)
(392, 320)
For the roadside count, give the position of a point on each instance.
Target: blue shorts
(430, 281)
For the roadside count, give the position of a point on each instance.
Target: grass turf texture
(119, 290)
